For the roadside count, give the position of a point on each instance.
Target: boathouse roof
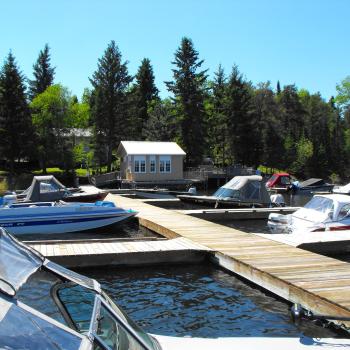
(150, 148)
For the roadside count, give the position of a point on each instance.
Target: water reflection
(198, 301)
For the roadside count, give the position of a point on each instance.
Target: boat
(48, 188)
(312, 185)
(342, 189)
(240, 191)
(323, 213)
(46, 306)
(279, 182)
(60, 217)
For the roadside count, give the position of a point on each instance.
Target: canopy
(44, 189)
(17, 263)
(245, 188)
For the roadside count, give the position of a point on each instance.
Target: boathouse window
(165, 164)
(139, 164)
(152, 164)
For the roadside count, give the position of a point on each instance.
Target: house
(150, 161)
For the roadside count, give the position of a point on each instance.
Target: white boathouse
(150, 161)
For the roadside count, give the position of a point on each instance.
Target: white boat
(60, 217)
(240, 191)
(342, 189)
(323, 213)
(74, 313)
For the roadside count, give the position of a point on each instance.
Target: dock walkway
(319, 283)
(103, 252)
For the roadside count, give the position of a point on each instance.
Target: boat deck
(319, 283)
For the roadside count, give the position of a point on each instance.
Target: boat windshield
(320, 204)
(227, 193)
(89, 312)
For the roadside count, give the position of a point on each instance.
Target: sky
(302, 42)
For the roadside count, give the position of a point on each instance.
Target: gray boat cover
(45, 189)
(244, 188)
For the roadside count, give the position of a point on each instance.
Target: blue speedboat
(60, 217)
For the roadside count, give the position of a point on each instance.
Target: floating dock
(236, 214)
(320, 284)
(108, 252)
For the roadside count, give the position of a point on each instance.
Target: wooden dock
(108, 252)
(320, 284)
(236, 214)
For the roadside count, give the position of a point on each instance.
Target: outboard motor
(9, 199)
(277, 200)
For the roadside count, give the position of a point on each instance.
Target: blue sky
(305, 42)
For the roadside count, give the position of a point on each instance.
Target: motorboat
(46, 306)
(240, 191)
(323, 213)
(48, 188)
(342, 189)
(279, 182)
(313, 185)
(60, 216)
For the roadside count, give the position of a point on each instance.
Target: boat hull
(62, 222)
(219, 203)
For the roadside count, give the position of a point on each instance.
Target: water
(199, 301)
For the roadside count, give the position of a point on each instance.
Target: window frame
(164, 162)
(140, 165)
(152, 164)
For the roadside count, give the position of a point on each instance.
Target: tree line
(227, 118)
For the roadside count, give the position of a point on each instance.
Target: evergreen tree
(160, 125)
(109, 106)
(269, 124)
(15, 119)
(43, 73)
(240, 119)
(293, 122)
(188, 88)
(143, 92)
(217, 117)
(278, 89)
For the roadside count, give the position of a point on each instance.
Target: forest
(226, 118)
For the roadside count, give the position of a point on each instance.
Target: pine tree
(109, 106)
(160, 124)
(293, 122)
(43, 73)
(241, 126)
(143, 92)
(15, 120)
(217, 121)
(278, 89)
(188, 88)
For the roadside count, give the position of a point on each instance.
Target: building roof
(150, 148)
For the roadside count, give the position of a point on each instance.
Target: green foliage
(240, 119)
(109, 103)
(43, 74)
(188, 88)
(343, 97)
(142, 94)
(15, 121)
(52, 117)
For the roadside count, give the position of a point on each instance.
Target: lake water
(199, 301)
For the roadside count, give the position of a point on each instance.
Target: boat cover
(45, 189)
(245, 188)
(312, 182)
(17, 263)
